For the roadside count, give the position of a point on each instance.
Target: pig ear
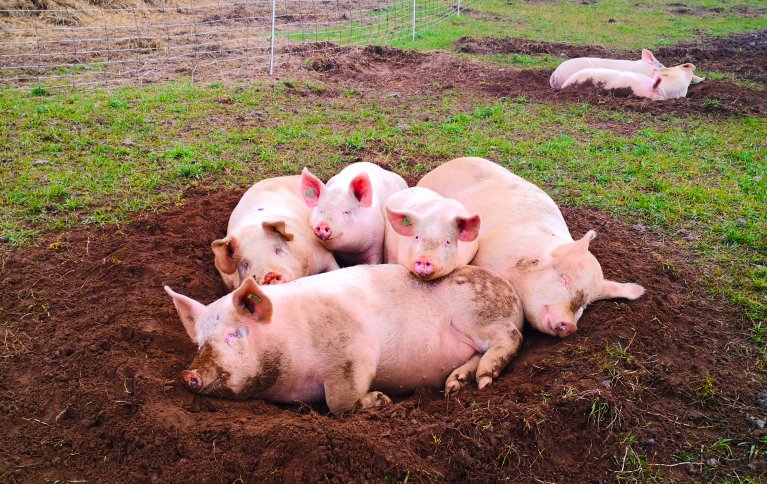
(401, 222)
(311, 188)
(612, 289)
(188, 310)
(579, 246)
(224, 251)
(689, 67)
(249, 300)
(277, 226)
(656, 79)
(648, 57)
(362, 189)
(468, 228)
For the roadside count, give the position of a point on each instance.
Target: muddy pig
(348, 213)
(525, 239)
(622, 82)
(645, 66)
(429, 234)
(268, 237)
(349, 335)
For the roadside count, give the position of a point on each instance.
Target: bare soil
(92, 349)
(395, 72)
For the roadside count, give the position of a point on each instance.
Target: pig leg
(347, 385)
(461, 375)
(503, 345)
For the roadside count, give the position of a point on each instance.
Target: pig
(268, 237)
(348, 213)
(676, 80)
(429, 234)
(524, 238)
(645, 66)
(349, 335)
(619, 82)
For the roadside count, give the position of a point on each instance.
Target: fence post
(414, 19)
(459, 8)
(271, 54)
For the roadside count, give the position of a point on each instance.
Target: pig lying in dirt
(645, 66)
(668, 83)
(429, 234)
(338, 335)
(268, 237)
(525, 239)
(347, 213)
(622, 83)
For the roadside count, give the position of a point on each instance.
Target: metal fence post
(414, 19)
(459, 8)
(271, 55)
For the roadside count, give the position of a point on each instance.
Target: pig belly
(423, 360)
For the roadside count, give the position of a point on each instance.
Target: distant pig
(429, 234)
(347, 213)
(525, 239)
(645, 66)
(268, 237)
(349, 335)
(676, 80)
(619, 82)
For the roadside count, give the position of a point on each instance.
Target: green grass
(618, 24)
(97, 156)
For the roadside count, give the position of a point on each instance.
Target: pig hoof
(374, 399)
(484, 381)
(455, 383)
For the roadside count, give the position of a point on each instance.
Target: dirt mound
(395, 72)
(93, 348)
(509, 45)
(742, 54)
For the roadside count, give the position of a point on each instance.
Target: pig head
(556, 288)
(429, 234)
(235, 357)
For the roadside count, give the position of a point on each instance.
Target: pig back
(271, 198)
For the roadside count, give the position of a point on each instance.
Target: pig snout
(273, 278)
(191, 380)
(423, 266)
(323, 231)
(565, 328)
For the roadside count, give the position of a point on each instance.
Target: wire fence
(59, 44)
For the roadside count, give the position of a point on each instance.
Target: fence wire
(60, 43)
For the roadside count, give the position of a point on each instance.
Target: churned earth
(90, 387)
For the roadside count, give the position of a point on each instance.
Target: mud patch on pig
(94, 352)
(271, 366)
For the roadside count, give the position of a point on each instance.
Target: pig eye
(447, 242)
(278, 250)
(347, 212)
(416, 237)
(245, 266)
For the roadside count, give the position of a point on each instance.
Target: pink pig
(645, 66)
(525, 239)
(268, 237)
(621, 82)
(347, 213)
(348, 335)
(429, 234)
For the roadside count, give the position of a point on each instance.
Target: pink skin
(346, 213)
(267, 237)
(281, 342)
(676, 81)
(525, 239)
(644, 66)
(429, 234)
(611, 79)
